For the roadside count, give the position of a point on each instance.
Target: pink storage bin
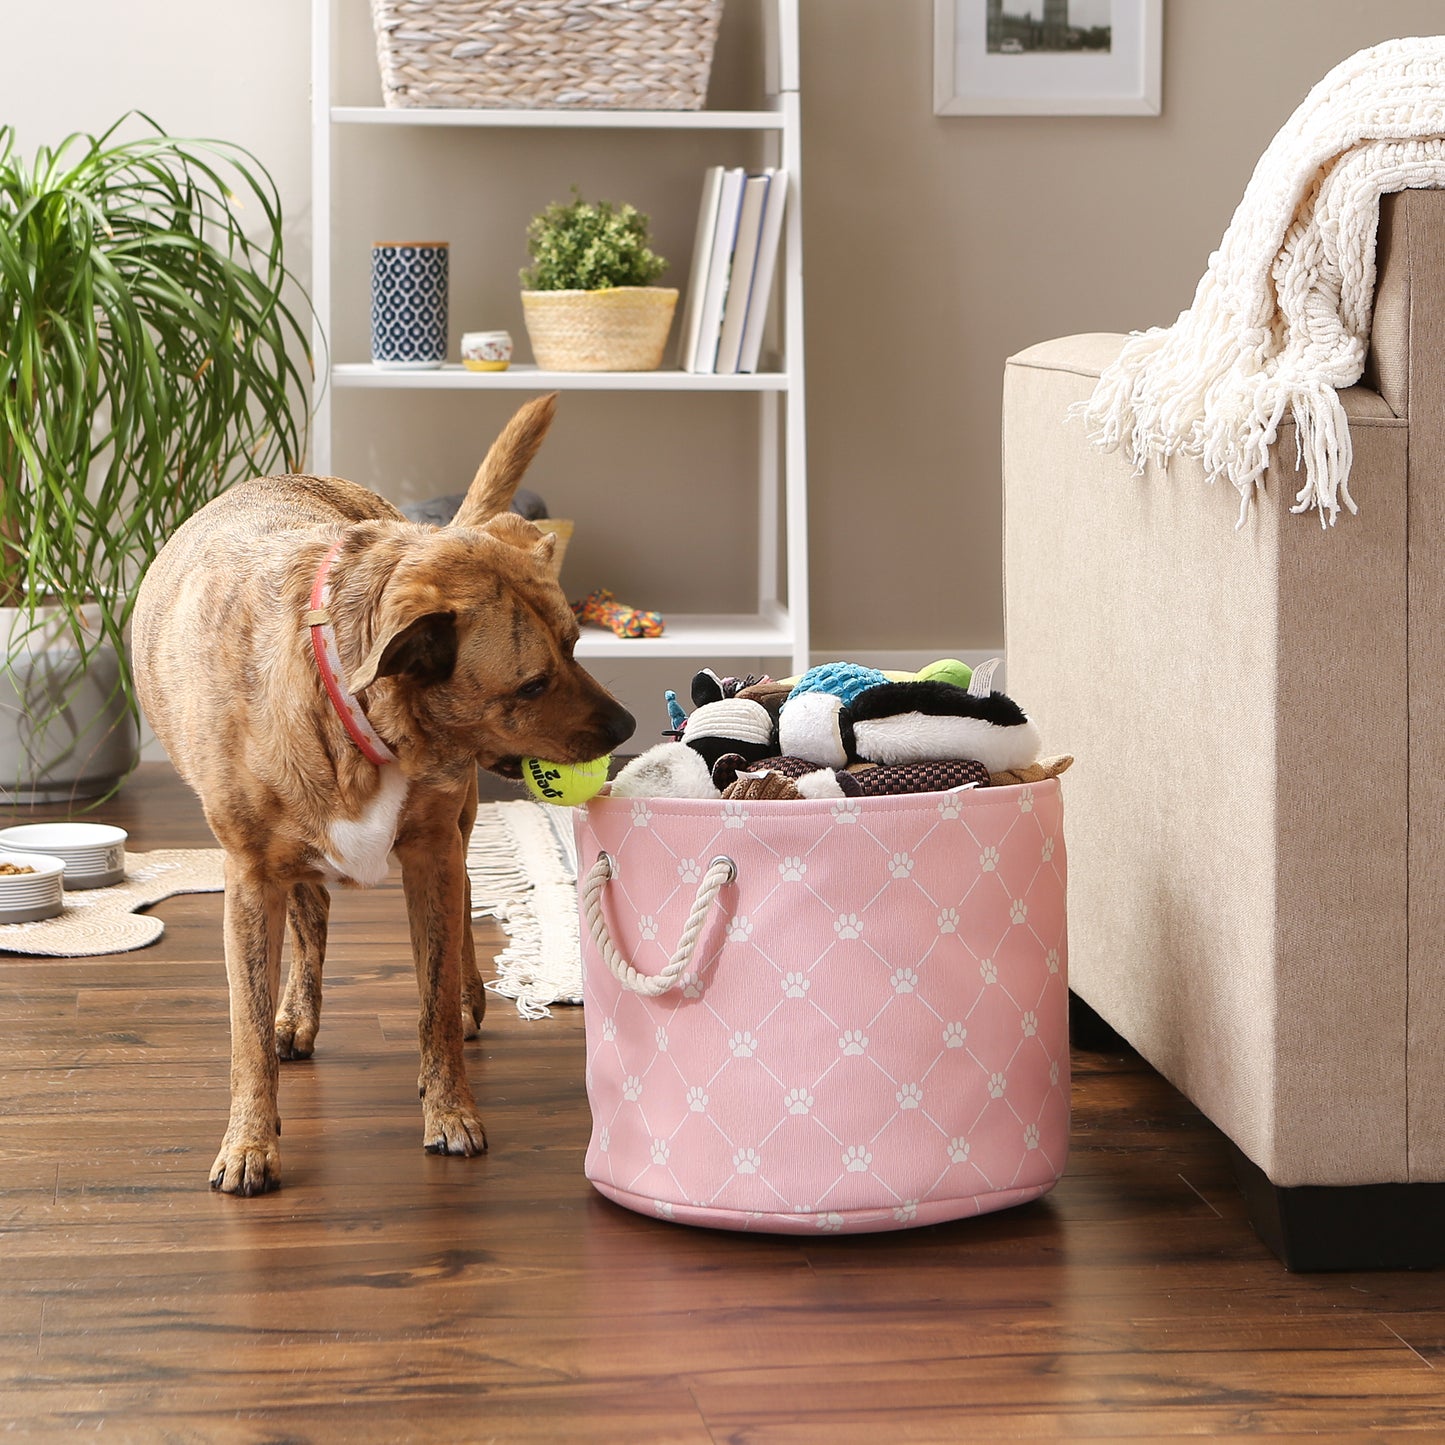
(838, 1015)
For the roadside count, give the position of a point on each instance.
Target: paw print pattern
(854, 1041)
(845, 810)
(1030, 1024)
(948, 921)
(692, 988)
(1018, 911)
(857, 1159)
(1026, 801)
(988, 860)
(955, 1035)
(609, 1029)
(647, 928)
(906, 1212)
(791, 870)
(1031, 1136)
(910, 1096)
(901, 865)
(697, 1100)
(949, 806)
(735, 815)
(746, 1161)
(996, 1086)
(1054, 1074)
(799, 1101)
(604, 1139)
(632, 1088)
(743, 1044)
(987, 971)
(660, 1151)
(689, 870)
(848, 926)
(661, 1040)
(739, 929)
(1051, 962)
(1048, 850)
(904, 981)
(830, 1223)
(663, 1208)
(958, 1151)
(641, 814)
(796, 985)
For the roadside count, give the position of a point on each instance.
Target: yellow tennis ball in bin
(565, 784)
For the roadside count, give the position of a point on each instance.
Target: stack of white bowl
(29, 897)
(93, 853)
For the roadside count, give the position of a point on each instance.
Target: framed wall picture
(1047, 57)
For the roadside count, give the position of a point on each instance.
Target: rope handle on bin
(720, 872)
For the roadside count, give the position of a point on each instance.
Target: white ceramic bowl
(28, 897)
(93, 853)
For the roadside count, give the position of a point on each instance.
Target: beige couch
(1256, 820)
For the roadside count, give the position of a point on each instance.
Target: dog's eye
(535, 688)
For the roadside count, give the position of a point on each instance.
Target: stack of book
(733, 258)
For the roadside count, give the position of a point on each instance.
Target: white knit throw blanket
(1281, 317)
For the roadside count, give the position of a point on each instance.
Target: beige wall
(935, 246)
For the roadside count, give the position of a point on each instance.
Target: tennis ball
(565, 784)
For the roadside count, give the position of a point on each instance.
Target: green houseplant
(588, 297)
(147, 345)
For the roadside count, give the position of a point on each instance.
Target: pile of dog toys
(841, 730)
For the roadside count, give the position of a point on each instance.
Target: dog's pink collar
(328, 664)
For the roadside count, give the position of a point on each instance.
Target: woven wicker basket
(561, 528)
(546, 54)
(621, 329)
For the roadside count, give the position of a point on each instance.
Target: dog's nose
(619, 726)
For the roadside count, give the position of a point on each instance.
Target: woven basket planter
(621, 329)
(546, 54)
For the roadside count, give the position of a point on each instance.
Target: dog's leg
(474, 993)
(255, 912)
(433, 875)
(307, 911)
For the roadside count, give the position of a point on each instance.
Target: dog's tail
(502, 469)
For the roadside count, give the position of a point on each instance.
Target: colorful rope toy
(602, 608)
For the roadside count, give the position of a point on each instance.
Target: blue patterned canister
(409, 303)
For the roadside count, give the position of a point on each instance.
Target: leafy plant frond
(152, 352)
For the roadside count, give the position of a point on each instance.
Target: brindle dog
(450, 647)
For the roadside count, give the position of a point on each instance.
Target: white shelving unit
(779, 626)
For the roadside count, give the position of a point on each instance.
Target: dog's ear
(516, 531)
(424, 648)
(501, 471)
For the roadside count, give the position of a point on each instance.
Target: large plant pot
(623, 328)
(66, 732)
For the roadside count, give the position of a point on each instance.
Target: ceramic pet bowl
(93, 853)
(28, 897)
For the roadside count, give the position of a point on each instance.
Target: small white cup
(486, 350)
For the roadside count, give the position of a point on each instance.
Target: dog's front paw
(249, 1163)
(295, 1035)
(452, 1128)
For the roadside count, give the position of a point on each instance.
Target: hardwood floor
(385, 1294)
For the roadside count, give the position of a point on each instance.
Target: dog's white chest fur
(361, 847)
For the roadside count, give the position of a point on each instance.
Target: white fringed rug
(523, 867)
(104, 920)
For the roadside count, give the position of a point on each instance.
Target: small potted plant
(588, 297)
(149, 357)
